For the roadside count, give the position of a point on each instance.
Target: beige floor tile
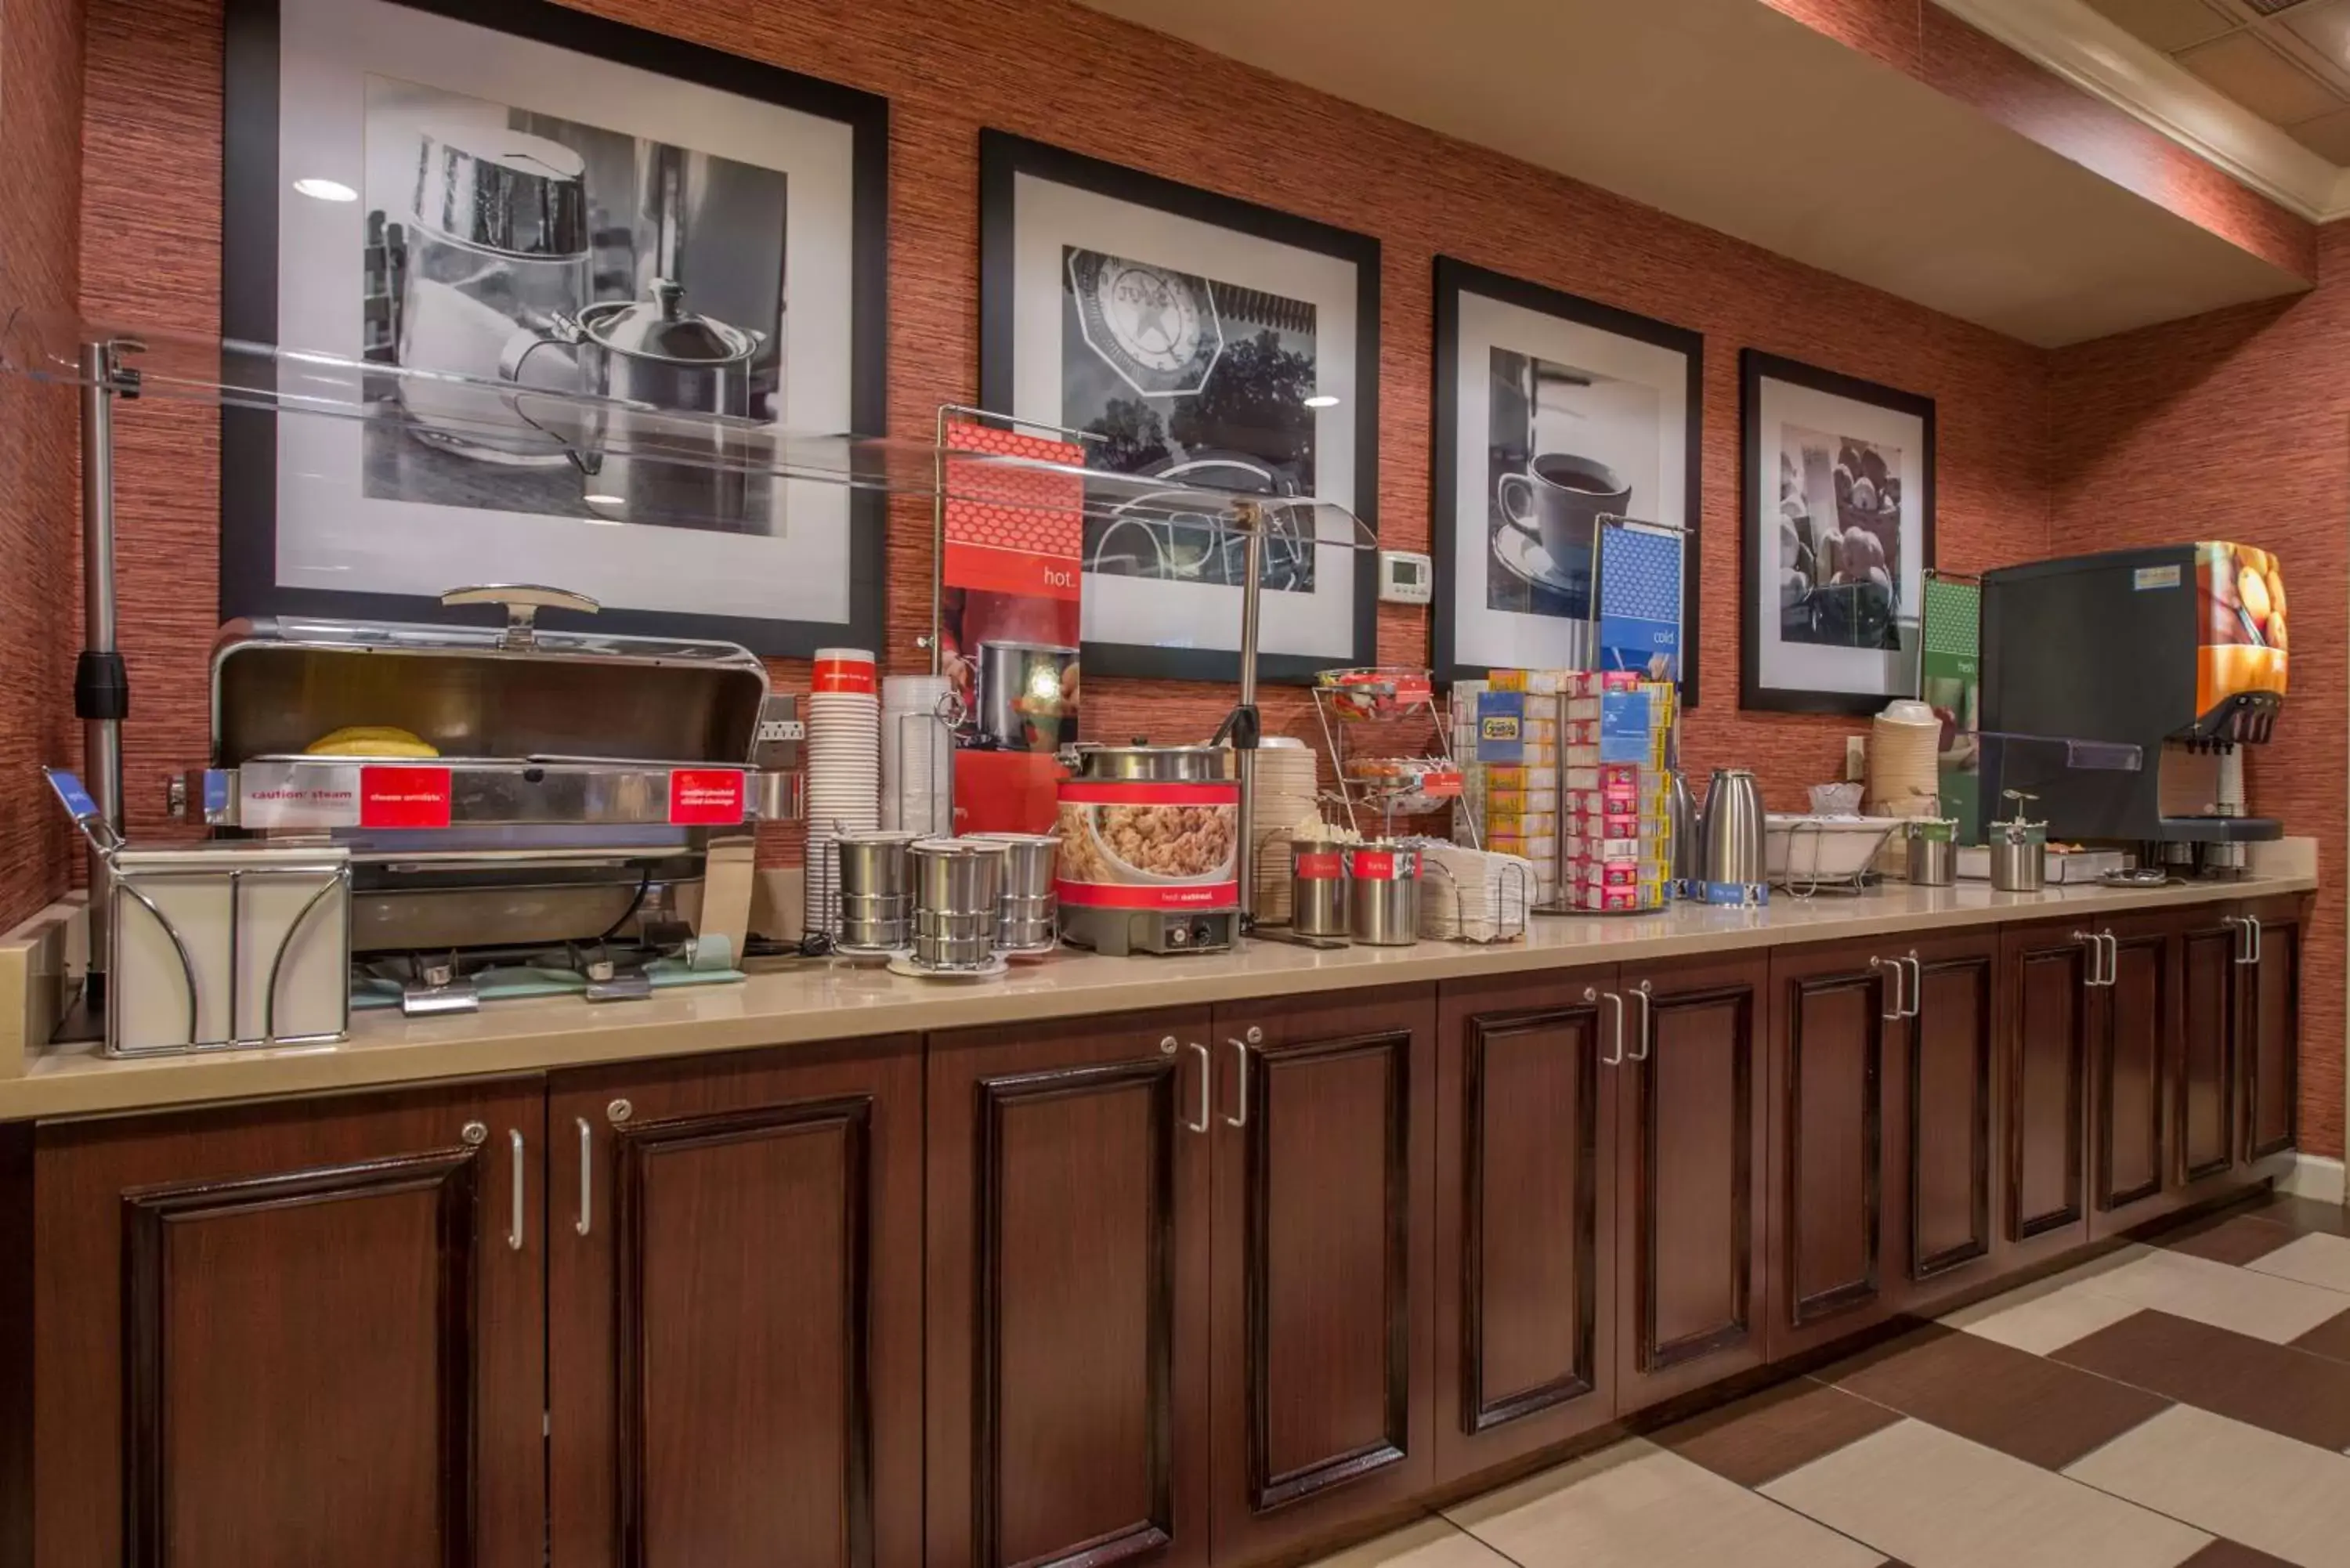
(1637, 1506)
(2290, 1499)
(2314, 1260)
(1430, 1543)
(2047, 1323)
(2039, 1290)
(1935, 1501)
(2262, 1305)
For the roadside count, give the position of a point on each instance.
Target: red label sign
(1321, 866)
(1378, 865)
(706, 797)
(1168, 895)
(1149, 792)
(403, 797)
(844, 675)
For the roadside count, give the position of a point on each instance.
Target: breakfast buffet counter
(810, 1002)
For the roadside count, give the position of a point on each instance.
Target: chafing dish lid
(1142, 761)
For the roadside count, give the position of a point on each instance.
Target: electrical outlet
(1856, 757)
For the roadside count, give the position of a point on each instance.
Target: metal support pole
(1252, 519)
(101, 694)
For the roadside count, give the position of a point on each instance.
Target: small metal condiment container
(1029, 912)
(1933, 852)
(2019, 850)
(958, 901)
(1383, 894)
(1317, 887)
(875, 890)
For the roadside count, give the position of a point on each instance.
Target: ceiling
(2287, 61)
(1724, 112)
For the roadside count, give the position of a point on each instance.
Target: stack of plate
(1285, 797)
(1473, 896)
(917, 755)
(843, 771)
(1905, 761)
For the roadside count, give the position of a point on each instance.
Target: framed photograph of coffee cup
(1836, 505)
(1194, 337)
(1552, 412)
(501, 202)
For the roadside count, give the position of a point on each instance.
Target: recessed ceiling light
(326, 190)
(1321, 400)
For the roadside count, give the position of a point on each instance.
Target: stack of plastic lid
(917, 755)
(843, 771)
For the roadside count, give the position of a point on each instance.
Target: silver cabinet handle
(2243, 925)
(513, 1232)
(2257, 934)
(2096, 975)
(1207, 1071)
(586, 1177)
(1893, 1008)
(2113, 956)
(1617, 1003)
(1916, 982)
(1240, 1090)
(1648, 1019)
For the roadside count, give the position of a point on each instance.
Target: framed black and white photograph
(1209, 341)
(523, 196)
(1552, 411)
(1837, 513)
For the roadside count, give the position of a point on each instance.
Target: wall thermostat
(1406, 577)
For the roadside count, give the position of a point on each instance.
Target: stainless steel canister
(958, 901)
(1317, 887)
(875, 893)
(1029, 913)
(1383, 893)
(1733, 859)
(1933, 852)
(2019, 857)
(1688, 827)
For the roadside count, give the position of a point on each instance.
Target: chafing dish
(588, 786)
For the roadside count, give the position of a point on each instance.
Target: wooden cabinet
(735, 1260)
(2134, 1028)
(1839, 1016)
(1067, 1309)
(1945, 1090)
(2271, 1025)
(293, 1333)
(2049, 970)
(2213, 949)
(1690, 1220)
(1527, 1186)
(1324, 1315)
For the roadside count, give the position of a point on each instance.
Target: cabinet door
(2047, 1021)
(1068, 1308)
(1833, 1023)
(2272, 1037)
(1325, 1305)
(1691, 1135)
(1525, 1215)
(1946, 1086)
(2132, 1031)
(282, 1335)
(734, 1322)
(2211, 1017)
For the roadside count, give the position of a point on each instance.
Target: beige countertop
(831, 1000)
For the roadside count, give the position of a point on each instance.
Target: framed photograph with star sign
(1208, 340)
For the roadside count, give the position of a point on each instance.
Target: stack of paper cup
(843, 771)
(917, 756)
(1285, 797)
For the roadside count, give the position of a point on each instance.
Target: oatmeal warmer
(1149, 841)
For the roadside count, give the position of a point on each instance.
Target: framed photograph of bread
(1213, 343)
(510, 205)
(1836, 509)
(1552, 412)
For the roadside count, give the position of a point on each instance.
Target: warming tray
(314, 793)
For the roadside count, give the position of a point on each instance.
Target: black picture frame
(1455, 278)
(1755, 365)
(249, 251)
(1003, 158)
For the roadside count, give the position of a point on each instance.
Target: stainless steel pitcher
(1733, 864)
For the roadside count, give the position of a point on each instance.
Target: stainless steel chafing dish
(588, 787)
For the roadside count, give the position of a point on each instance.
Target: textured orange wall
(2236, 425)
(40, 120)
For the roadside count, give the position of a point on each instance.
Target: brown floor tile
(2304, 1214)
(2285, 1390)
(2330, 1338)
(2232, 1238)
(1762, 1438)
(2233, 1554)
(2020, 1404)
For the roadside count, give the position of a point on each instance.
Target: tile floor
(2187, 1402)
